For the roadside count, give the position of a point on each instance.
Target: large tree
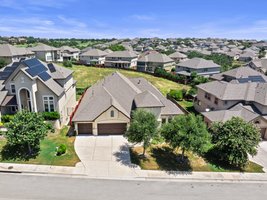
(234, 140)
(142, 129)
(187, 132)
(26, 129)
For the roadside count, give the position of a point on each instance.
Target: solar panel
(4, 75)
(51, 67)
(36, 70)
(44, 76)
(32, 62)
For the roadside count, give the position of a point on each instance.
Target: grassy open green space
(48, 150)
(162, 157)
(87, 76)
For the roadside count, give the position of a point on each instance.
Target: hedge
(51, 115)
(6, 118)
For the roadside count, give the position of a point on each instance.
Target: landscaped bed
(47, 152)
(162, 157)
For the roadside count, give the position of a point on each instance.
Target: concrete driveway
(104, 156)
(261, 157)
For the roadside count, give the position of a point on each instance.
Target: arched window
(112, 113)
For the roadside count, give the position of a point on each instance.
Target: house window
(164, 120)
(206, 70)
(14, 109)
(112, 113)
(225, 102)
(13, 89)
(207, 96)
(216, 101)
(49, 104)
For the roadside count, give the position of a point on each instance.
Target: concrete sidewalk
(40, 169)
(137, 175)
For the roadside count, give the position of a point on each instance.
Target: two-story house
(11, 53)
(199, 65)
(93, 57)
(38, 87)
(47, 53)
(220, 100)
(152, 60)
(69, 53)
(121, 59)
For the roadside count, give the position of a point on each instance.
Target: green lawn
(161, 157)
(86, 76)
(48, 150)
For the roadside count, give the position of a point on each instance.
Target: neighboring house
(93, 57)
(11, 53)
(259, 65)
(245, 112)
(69, 53)
(240, 75)
(247, 56)
(178, 57)
(149, 62)
(199, 65)
(39, 87)
(121, 59)
(222, 96)
(106, 107)
(47, 53)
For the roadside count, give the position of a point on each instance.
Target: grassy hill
(87, 76)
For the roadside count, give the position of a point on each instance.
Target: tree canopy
(142, 129)
(116, 47)
(26, 129)
(3, 63)
(234, 140)
(187, 132)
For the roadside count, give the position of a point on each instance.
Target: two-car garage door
(103, 129)
(111, 129)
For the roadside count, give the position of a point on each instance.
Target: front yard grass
(48, 149)
(87, 76)
(162, 157)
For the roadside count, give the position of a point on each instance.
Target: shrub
(176, 94)
(7, 118)
(67, 63)
(1, 124)
(51, 115)
(61, 149)
(80, 91)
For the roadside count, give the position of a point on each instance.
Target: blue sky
(134, 18)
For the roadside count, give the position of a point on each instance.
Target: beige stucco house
(106, 106)
(47, 53)
(121, 59)
(220, 100)
(37, 87)
(11, 53)
(93, 57)
(152, 60)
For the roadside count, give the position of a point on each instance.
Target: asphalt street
(19, 186)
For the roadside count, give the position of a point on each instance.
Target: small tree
(143, 128)
(234, 140)
(67, 63)
(26, 129)
(3, 63)
(188, 132)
